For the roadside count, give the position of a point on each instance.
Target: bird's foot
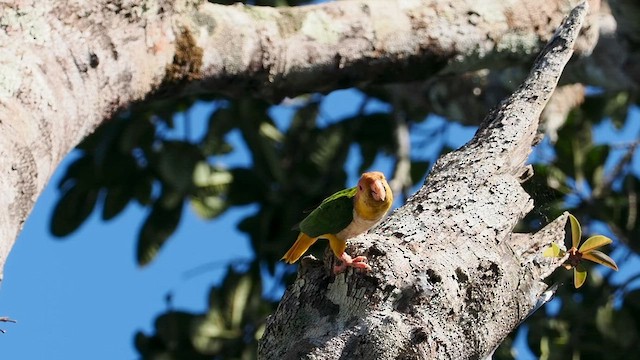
(358, 262)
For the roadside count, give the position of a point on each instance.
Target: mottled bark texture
(451, 280)
(608, 56)
(67, 66)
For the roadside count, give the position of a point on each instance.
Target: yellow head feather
(374, 197)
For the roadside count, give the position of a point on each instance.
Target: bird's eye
(360, 187)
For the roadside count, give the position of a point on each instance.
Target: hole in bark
(93, 60)
(405, 301)
(462, 277)
(376, 250)
(418, 335)
(433, 276)
(489, 272)
(327, 308)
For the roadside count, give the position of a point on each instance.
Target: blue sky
(84, 297)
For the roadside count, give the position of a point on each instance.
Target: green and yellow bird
(343, 215)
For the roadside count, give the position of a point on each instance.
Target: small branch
(401, 181)
(554, 115)
(279, 52)
(6, 319)
(605, 187)
(447, 282)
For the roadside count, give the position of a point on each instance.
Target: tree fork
(451, 280)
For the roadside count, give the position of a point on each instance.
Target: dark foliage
(133, 159)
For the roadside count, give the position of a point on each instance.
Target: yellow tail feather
(300, 247)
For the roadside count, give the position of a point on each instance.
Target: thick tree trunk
(67, 67)
(451, 280)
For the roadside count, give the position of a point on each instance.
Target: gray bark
(451, 280)
(67, 67)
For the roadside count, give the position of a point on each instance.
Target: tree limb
(273, 53)
(450, 278)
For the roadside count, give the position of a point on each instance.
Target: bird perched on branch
(343, 215)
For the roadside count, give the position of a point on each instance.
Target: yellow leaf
(576, 231)
(553, 251)
(600, 258)
(579, 276)
(594, 242)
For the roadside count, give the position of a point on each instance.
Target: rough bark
(608, 58)
(68, 66)
(451, 280)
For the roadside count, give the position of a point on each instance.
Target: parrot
(344, 215)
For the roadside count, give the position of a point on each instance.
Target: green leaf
(208, 335)
(617, 108)
(143, 189)
(576, 231)
(374, 133)
(221, 122)
(368, 153)
(553, 251)
(115, 201)
(557, 180)
(247, 187)
(330, 147)
(173, 325)
(138, 133)
(594, 162)
(579, 276)
(251, 225)
(419, 170)
(374, 130)
(214, 180)
(617, 324)
(176, 162)
(252, 117)
(81, 170)
(604, 318)
(72, 210)
(116, 169)
(208, 207)
(104, 134)
(594, 242)
(238, 300)
(157, 228)
(269, 131)
(600, 258)
(304, 120)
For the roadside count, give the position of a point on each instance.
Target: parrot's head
(374, 197)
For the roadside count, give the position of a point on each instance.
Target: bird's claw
(358, 262)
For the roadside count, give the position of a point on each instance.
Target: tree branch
(450, 278)
(401, 181)
(278, 52)
(69, 67)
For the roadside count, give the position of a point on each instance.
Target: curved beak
(377, 191)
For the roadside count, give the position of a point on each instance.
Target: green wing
(334, 214)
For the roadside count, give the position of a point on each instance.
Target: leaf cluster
(136, 158)
(577, 253)
(596, 181)
(229, 329)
